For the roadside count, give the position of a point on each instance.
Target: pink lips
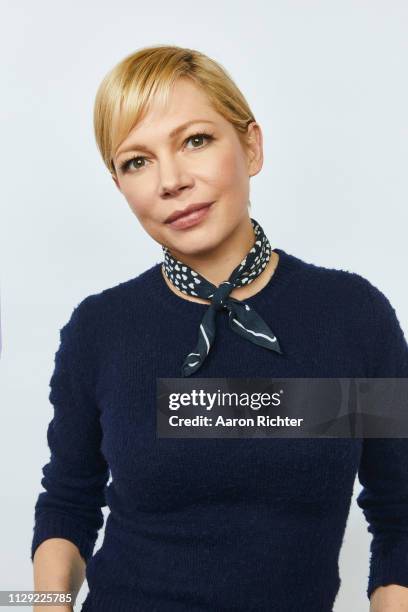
(190, 219)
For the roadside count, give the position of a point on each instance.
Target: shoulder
(340, 286)
(99, 309)
(361, 309)
(355, 291)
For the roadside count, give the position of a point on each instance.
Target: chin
(197, 243)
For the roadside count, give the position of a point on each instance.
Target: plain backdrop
(327, 82)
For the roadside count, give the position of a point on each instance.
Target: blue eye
(128, 164)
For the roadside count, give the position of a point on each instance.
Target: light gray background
(327, 82)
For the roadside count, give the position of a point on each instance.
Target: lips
(178, 214)
(192, 219)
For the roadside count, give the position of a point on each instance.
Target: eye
(200, 136)
(127, 165)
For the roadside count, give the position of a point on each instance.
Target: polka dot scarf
(242, 319)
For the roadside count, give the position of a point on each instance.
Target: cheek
(139, 198)
(232, 188)
(229, 170)
(143, 203)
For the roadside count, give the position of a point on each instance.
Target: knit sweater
(237, 524)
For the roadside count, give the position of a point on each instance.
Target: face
(159, 173)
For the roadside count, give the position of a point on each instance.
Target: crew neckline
(283, 273)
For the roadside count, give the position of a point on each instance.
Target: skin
(390, 598)
(174, 173)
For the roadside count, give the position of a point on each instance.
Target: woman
(209, 524)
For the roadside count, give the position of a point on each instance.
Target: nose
(173, 177)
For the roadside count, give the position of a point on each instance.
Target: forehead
(187, 102)
(185, 97)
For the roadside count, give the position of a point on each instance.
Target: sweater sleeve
(74, 479)
(383, 469)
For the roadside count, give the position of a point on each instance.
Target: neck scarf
(242, 319)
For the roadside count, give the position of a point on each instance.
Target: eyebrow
(172, 134)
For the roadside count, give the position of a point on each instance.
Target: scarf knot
(242, 319)
(218, 299)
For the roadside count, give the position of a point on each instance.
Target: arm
(391, 598)
(58, 566)
(383, 473)
(68, 513)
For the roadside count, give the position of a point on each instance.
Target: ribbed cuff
(389, 563)
(62, 526)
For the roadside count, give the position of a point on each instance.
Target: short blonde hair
(125, 93)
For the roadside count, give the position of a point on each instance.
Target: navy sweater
(243, 524)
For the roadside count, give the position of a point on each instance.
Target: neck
(217, 264)
(217, 267)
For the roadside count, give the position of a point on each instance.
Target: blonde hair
(125, 93)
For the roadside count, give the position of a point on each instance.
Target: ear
(254, 148)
